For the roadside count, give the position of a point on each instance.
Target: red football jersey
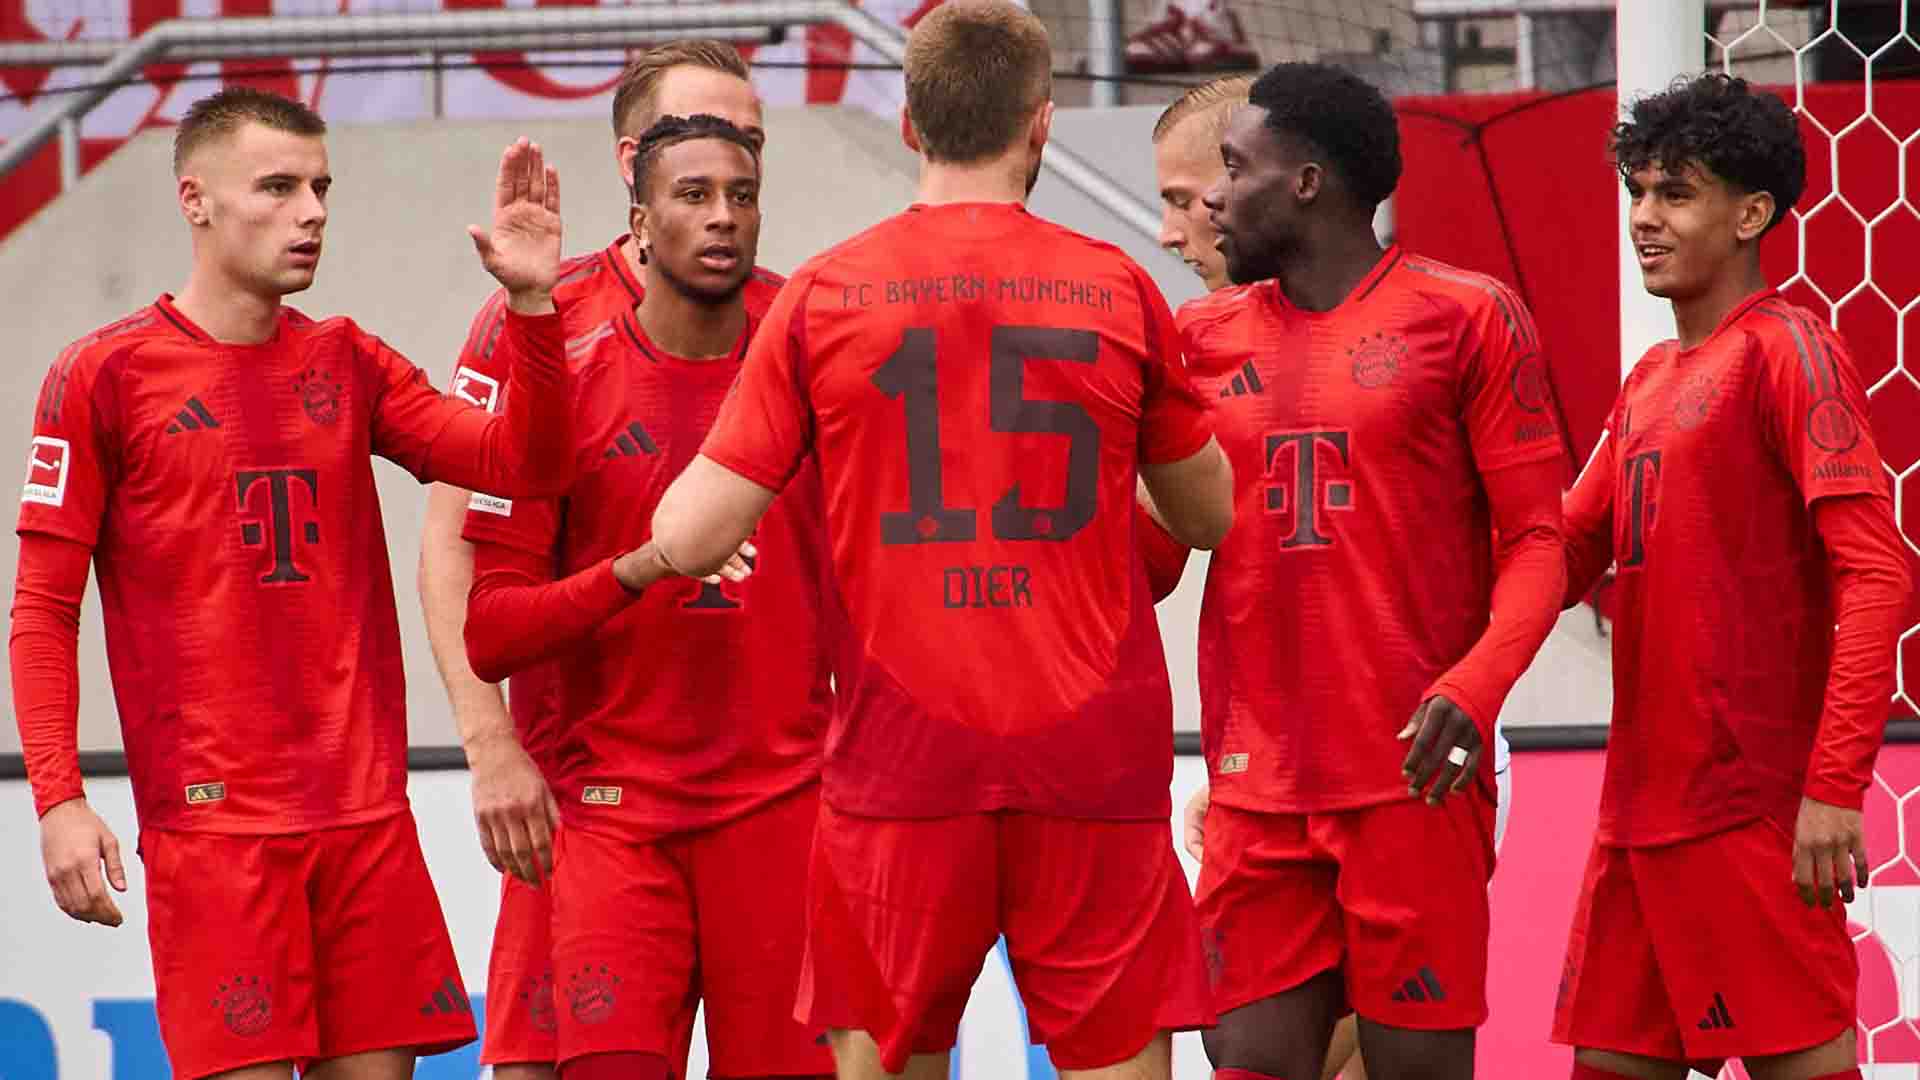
(1723, 610)
(980, 387)
(228, 495)
(1360, 566)
(695, 703)
(595, 289)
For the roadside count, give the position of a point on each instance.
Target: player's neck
(1002, 180)
(1697, 317)
(228, 313)
(688, 327)
(1321, 273)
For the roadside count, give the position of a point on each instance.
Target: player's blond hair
(217, 116)
(1216, 98)
(636, 98)
(977, 70)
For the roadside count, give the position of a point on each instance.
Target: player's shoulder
(336, 338)
(1474, 293)
(1083, 255)
(1220, 308)
(1783, 330)
(761, 288)
(592, 276)
(92, 350)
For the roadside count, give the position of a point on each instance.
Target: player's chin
(295, 279)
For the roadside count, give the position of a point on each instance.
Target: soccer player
(1395, 565)
(685, 790)
(1186, 161)
(981, 389)
(210, 454)
(1186, 158)
(1761, 586)
(510, 755)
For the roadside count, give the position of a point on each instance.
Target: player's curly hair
(1746, 137)
(672, 130)
(1343, 116)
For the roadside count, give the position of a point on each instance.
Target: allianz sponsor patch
(490, 504)
(47, 471)
(206, 793)
(600, 796)
(475, 388)
(1233, 763)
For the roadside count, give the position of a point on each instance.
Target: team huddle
(826, 606)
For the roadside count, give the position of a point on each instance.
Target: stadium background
(1503, 107)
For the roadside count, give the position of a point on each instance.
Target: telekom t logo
(1306, 487)
(278, 488)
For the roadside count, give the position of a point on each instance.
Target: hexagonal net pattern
(1850, 254)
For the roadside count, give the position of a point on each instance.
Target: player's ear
(624, 148)
(1042, 125)
(637, 224)
(1309, 182)
(907, 134)
(1756, 212)
(193, 200)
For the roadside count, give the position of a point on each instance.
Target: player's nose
(313, 209)
(1171, 237)
(1215, 197)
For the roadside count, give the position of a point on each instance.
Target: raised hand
(522, 249)
(74, 842)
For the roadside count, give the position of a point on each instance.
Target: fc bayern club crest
(1376, 359)
(1831, 426)
(1530, 390)
(592, 993)
(246, 1004)
(319, 394)
(1690, 409)
(538, 999)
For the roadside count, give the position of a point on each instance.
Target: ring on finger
(1457, 755)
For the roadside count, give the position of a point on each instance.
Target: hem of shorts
(630, 833)
(420, 1049)
(1769, 1048)
(246, 1062)
(516, 1059)
(1424, 1025)
(343, 821)
(1568, 1041)
(1224, 1004)
(1159, 1030)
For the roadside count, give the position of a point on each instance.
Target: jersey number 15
(912, 372)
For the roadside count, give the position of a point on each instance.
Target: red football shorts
(521, 1025)
(1702, 950)
(643, 933)
(302, 948)
(1394, 895)
(1098, 921)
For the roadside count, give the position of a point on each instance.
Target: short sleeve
(1174, 424)
(1511, 416)
(765, 427)
(72, 458)
(1814, 410)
